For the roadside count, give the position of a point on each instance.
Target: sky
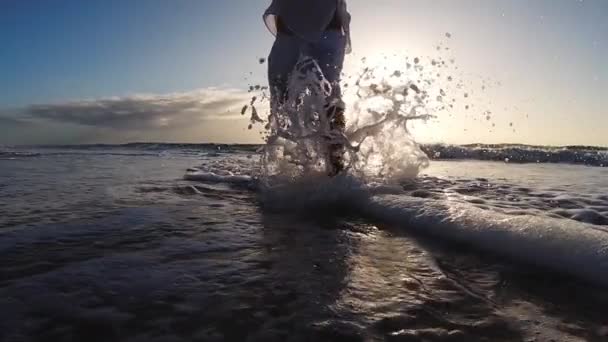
(115, 71)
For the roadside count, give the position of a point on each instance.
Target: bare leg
(329, 53)
(281, 62)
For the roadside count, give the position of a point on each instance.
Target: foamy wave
(202, 176)
(16, 155)
(236, 169)
(592, 156)
(565, 246)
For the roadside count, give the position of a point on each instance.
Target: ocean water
(153, 242)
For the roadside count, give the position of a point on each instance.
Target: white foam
(211, 177)
(566, 246)
(436, 208)
(563, 245)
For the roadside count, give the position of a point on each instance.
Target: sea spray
(383, 96)
(378, 144)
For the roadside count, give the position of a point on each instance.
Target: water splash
(298, 129)
(380, 105)
(378, 144)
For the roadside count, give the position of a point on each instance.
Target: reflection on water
(234, 273)
(134, 255)
(399, 290)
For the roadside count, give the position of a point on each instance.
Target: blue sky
(548, 56)
(69, 49)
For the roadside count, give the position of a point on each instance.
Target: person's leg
(281, 62)
(329, 53)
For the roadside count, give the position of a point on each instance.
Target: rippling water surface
(115, 245)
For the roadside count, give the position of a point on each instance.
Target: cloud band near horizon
(124, 117)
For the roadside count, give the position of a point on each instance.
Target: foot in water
(337, 124)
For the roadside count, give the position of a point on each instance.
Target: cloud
(205, 115)
(143, 111)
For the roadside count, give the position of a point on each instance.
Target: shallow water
(112, 244)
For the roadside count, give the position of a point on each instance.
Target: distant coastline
(512, 153)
